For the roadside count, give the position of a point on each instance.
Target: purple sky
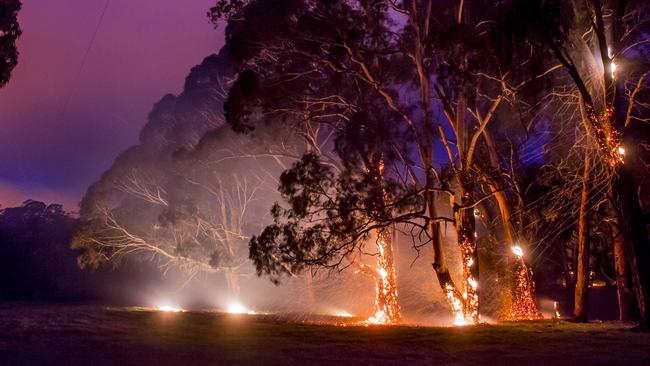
(62, 125)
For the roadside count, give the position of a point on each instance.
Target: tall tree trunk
(466, 234)
(386, 294)
(631, 218)
(453, 296)
(581, 294)
(626, 302)
(509, 234)
(386, 301)
(496, 186)
(633, 225)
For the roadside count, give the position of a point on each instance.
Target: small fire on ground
(169, 309)
(238, 308)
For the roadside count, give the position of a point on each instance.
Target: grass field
(85, 335)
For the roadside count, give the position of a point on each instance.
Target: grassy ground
(68, 335)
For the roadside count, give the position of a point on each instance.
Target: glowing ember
(518, 251)
(470, 302)
(169, 308)
(609, 141)
(237, 308)
(523, 305)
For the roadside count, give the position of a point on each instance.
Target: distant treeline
(37, 264)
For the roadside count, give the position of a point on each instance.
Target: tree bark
(633, 224)
(580, 308)
(454, 297)
(466, 236)
(626, 302)
(387, 300)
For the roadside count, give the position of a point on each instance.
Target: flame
(456, 305)
(518, 251)
(387, 307)
(386, 304)
(238, 308)
(556, 309)
(465, 308)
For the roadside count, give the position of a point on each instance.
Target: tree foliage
(9, 33)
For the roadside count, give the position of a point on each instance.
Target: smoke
(186, 199)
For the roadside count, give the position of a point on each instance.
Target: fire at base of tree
(523, 306)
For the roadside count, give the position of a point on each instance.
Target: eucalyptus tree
(380, 74)
(276, 89)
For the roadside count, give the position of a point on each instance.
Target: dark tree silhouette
(9, 33)
(37, 263)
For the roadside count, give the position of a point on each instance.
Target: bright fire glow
(612, 68)
(378, 318)
(621, 150)
(456, 305)
(612, 65)
(344, 314)
(169, 308)
(556, 309)
(386, 305)
(460, 321)
(238, 308)
(518, 251)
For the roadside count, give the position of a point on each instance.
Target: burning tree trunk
(387, 310)
(466, 232)
(523, 292)
(453, 296)
(387, 306)
(582, 274)
(519, 303)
